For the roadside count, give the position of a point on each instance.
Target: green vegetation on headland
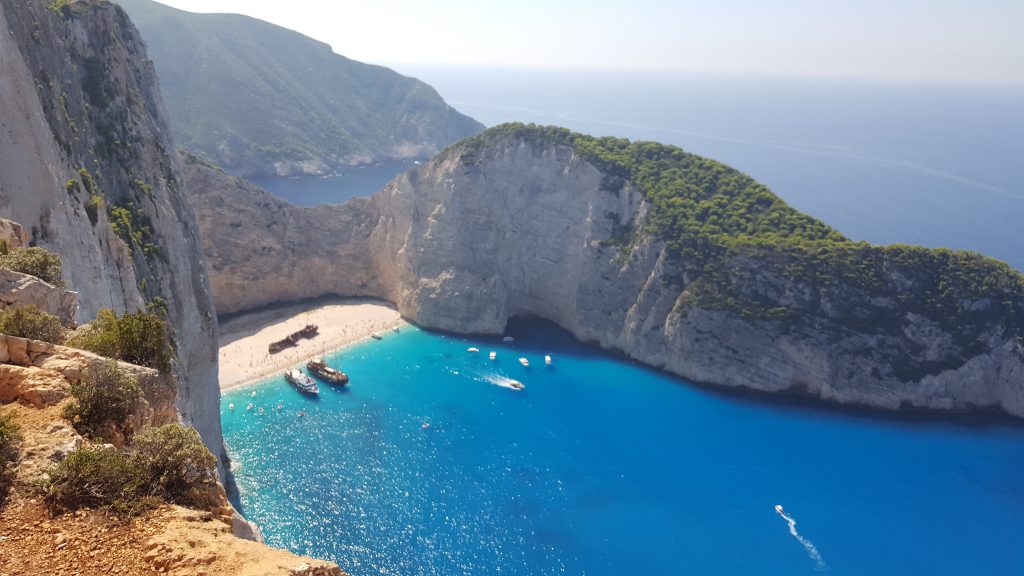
(737, 247)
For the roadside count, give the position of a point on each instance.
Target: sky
(960, 41)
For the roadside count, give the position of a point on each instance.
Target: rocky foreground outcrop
(516, 224)
(35, 382)
(87, 166)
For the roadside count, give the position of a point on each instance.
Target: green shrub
(93, 207)
(105, 396)
(10, 433)
(37, 262)
(176, 464)
(96, 477)
(137, 338)
(30, 322)
(165, 464)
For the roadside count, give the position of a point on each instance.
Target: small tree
(104, 397)
(37, 262)
(30, 322)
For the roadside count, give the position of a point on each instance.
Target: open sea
(603, 467)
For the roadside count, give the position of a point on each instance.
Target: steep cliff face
(267, 251)
(703, 273)
(519, 226)
(86, 166)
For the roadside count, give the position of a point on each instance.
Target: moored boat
(376, 336)
(547, 360)
(493, 355)
(317, 367)
(301, 382)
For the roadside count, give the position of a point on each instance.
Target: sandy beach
(244, 339)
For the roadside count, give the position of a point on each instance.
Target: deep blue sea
(603, 467)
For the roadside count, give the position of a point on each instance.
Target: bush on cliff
(177, 465)
(165, 464)
(9, 435)
(37, 262)
(137, 338)
(105, 397)
(30, 322)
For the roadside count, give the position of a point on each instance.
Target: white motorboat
(301, 382)
(492, 355)
(524, 361)
(547, 360)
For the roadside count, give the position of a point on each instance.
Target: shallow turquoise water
(604, 467)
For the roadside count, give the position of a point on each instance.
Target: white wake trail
(812, 551)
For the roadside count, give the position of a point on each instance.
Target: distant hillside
(261, 99)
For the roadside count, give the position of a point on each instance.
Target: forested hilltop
(259, 99)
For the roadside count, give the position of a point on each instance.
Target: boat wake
(812, 551)
(504, 382)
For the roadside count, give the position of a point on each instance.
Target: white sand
(244, 357)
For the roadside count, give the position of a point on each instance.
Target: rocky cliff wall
(463, 244)
(86, 166)
(531, 230)
(267, 251)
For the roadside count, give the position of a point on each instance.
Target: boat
(309, 332)
(397, 330)
(524, 361)
(472, 350)
(547, 360)
(508, 339)
(492, 355)
(516, 385)
(301, 382)
(317, 367)
(376, 336)
(231, 406)
(778, 508)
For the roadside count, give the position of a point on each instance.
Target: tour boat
(524, 361)
(493, 355)
(317, 367)
(301, 382)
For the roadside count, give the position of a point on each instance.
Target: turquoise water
(603, 467)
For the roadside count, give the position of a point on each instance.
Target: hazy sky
(958, 40)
